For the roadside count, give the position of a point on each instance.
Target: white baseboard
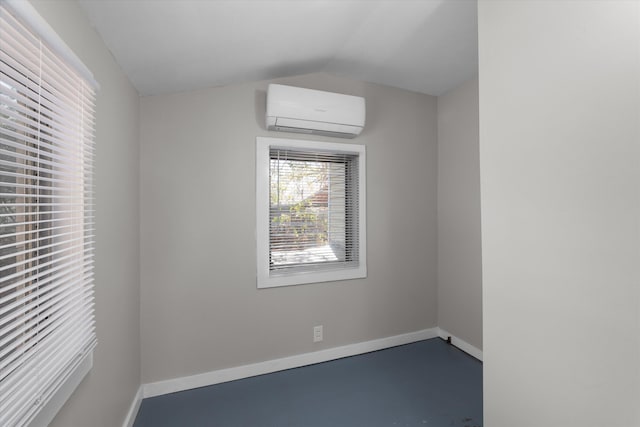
(231, 374)
(462, 345)
(133, 409)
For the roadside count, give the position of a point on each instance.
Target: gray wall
(201, 310)
(459, 246)
(105, 395)
(560, 177)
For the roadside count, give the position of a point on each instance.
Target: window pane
(311, 221)
(299, 212)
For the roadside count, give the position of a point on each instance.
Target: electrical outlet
(317, 333)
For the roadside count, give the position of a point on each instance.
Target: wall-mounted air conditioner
(300, 110)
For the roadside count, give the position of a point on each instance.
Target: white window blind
(313, 210)
(46, 221)
(314, 228)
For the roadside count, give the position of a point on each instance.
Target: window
(46, 219)
(310, 198)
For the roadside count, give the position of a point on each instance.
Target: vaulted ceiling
(427, 46)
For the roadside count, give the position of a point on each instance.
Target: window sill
(288, 278)
(49, 411)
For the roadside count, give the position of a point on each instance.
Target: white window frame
(269, 279)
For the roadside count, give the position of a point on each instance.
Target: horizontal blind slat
(48, 229)
(41, 326)
(18, 307)
(57, 297)
(25, 388)
(67, 261)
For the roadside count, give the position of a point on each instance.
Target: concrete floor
(428, 383)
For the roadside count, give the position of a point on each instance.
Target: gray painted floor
(428, 383)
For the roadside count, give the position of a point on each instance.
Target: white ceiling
(163, 46)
